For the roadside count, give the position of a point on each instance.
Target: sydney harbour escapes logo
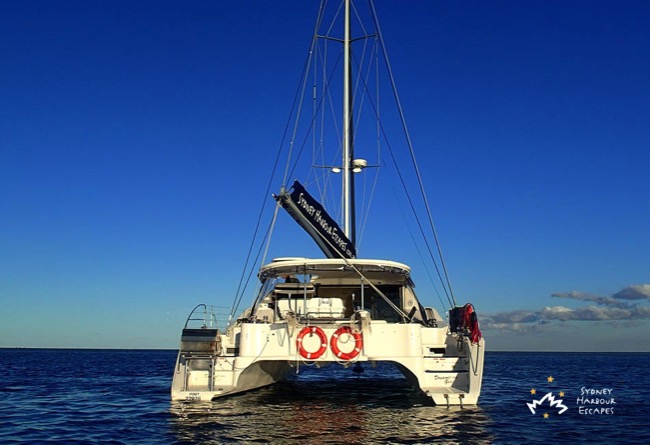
(549, 403)
(590, 401)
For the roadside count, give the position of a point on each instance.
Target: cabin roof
(335, 267)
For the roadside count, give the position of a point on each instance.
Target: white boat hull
(444, 366)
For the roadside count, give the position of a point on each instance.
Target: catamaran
(340, 310)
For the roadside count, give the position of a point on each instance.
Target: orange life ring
(358, 343)
(311, 330)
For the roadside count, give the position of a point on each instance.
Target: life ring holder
(358, 343)
(311, 330)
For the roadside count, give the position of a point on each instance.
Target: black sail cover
(312, 217)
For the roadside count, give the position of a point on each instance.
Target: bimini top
(336, 267)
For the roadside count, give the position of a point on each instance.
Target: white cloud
(605, 301)
(608, 309)
(637, 292)
(515, 317)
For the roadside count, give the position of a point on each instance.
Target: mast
(348, 186)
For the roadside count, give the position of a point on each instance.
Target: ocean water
(122, 397)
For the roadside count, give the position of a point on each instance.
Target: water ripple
(122, 397)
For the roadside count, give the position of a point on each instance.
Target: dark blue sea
(122, 397)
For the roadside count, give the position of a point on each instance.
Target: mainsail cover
(312, 217)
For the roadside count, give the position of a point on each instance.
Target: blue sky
(136, 140)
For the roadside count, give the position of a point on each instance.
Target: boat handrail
(294, 288)
(211, 317)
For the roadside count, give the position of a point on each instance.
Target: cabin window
(379, 308)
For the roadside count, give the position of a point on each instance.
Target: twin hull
(443, 365)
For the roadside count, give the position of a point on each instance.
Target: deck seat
(325, 307)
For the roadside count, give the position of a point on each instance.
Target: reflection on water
(330, 406)
(123, 397)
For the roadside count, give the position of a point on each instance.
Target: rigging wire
(289, 170)
(419, 224)
(306, 138)
(411, 151)
(409, 199)
(302, 93)
(446, 284)
(325, 92)
(360, 84)
(366, 215)
(419, 251)
(241, 287)
(251, 270)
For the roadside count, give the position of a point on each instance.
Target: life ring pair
(315, 330)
